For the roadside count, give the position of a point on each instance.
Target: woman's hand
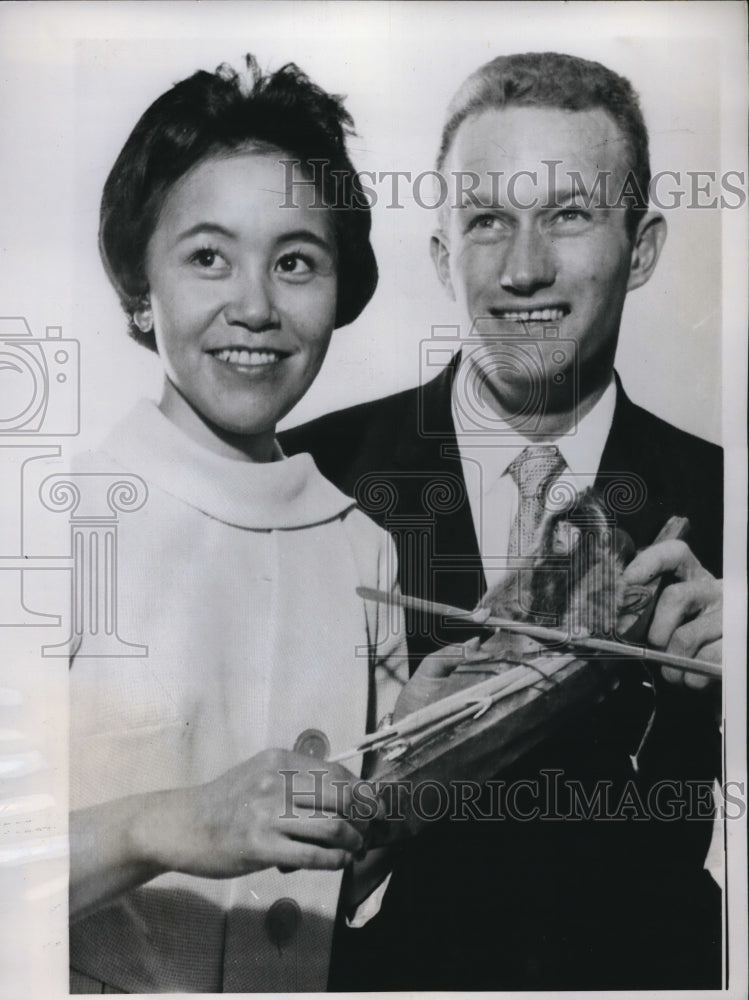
(276, 809)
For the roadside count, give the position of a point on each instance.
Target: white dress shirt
(487, 446)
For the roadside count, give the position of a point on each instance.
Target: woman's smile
(250, 358)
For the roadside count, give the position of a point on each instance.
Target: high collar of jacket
(287, 493)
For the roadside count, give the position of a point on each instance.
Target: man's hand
(431, 680)
(688, 617)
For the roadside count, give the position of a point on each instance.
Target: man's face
(530, 259)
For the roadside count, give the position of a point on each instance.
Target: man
(548, 235)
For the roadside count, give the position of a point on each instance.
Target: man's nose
(529, 263)
(252, 303)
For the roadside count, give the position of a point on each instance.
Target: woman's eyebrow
(307, 236)
(205, 227)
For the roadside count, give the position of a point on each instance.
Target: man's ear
(143, 316)
(440, 251)
(646, 249)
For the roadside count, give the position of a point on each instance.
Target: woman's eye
(294, 263)
(208, 259)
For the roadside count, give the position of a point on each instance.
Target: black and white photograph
(373, 405)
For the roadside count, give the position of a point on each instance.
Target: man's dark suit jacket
(543, 904)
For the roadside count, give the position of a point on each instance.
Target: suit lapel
(431, 519)
(625, 478)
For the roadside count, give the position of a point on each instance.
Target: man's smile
(546, 314)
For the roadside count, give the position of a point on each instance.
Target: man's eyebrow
(555, 198)
(575, 196)
(470, 199)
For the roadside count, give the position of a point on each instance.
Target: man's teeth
(534, 316)
(236, 356)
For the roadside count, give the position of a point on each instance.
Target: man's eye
(294, 263)
(573, 215)
(486, 228)
(485, 222)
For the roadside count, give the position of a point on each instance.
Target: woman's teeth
(533, 316)
(237, 356)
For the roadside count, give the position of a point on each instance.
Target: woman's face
(243, 299)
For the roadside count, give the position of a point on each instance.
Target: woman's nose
(529, 263)
(251, 303)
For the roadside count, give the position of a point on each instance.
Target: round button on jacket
(282, 920)
(313, 743)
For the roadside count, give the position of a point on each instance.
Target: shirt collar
(582, 450)
(500, 444)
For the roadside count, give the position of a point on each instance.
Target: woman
(193, 867)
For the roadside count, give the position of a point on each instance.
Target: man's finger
(713, 652)
(442, 662)
(673, 556)
(693, 638)
(681, 677)
(702, 636)
(679, 602)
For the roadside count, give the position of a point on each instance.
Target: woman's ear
(440, 251)
(646, 249)
(143, 316)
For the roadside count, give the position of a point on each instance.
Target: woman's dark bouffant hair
(213, 112)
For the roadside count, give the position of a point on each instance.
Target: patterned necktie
(533, 471)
